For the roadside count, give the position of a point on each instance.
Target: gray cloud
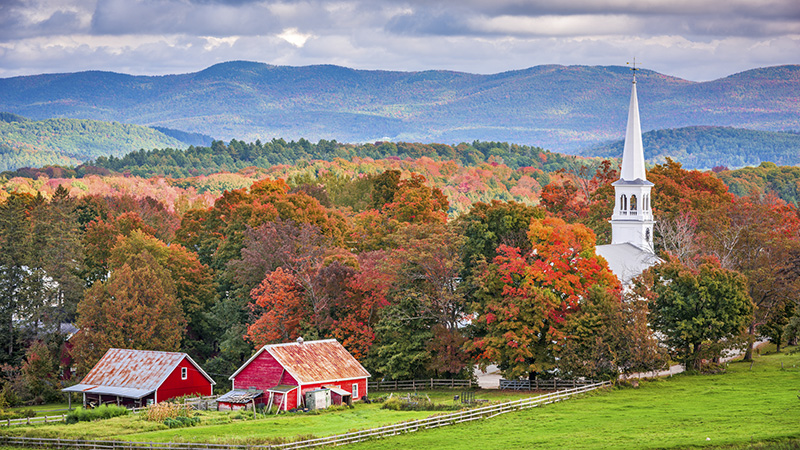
(688, 38)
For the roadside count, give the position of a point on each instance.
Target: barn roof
(322, 361)
(132, 373)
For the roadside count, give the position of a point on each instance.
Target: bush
(416, 403)
(16, 414)
(160, 412)
(99, 413)
(182, 421)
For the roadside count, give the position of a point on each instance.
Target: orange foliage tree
(135, 308)
(524, 300)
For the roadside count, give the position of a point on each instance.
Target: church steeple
(632, 221)
(633, 155)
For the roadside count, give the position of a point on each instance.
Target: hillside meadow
(735, 408)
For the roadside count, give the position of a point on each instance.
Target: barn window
(184, 373)
(355, 391)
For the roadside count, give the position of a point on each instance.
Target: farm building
(285, 372)
(139, 377)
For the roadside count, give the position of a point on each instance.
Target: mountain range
(561, 108)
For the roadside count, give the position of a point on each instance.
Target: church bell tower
(632, 221)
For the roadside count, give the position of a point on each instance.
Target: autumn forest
(421, 266)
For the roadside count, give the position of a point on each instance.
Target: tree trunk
(696, 359)
(748, 354)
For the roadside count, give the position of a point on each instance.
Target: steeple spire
(632, 221)
(633, 155)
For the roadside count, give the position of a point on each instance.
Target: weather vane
(633, 68)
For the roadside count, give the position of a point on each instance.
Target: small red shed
(138, 377)
(285, 372)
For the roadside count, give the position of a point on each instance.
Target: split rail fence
(468, 415)
(543, 385)
(194, 401)
(412, 385)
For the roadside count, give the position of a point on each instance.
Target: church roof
(627, 261)
(633, 154)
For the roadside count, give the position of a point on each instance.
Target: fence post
(431, 383)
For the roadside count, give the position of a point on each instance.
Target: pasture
(750, 406)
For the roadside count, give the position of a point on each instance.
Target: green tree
(15, 241)
(400, 351)
(608, 337)
(39, 370)
(696, 309)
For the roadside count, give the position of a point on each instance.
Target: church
(631, 250)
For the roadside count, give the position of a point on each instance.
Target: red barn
(286, 371)
(138, 377)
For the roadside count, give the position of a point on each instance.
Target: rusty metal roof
(136, 370)
(240, 396)
(322, 361)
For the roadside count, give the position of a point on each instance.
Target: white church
(631, 250)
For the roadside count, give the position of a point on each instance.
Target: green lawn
(731, 409)
(48, 409)
(725, 411)
(240, 427)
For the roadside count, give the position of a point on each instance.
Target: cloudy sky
(693, 39)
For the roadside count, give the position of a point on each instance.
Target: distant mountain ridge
(562, 108)
(707, 147)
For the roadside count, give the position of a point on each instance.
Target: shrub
(160, 412)
(416, 403)
(99, 413)
(182, 421)
(16, 414)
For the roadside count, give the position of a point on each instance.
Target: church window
(647, 234)
(633, 203)
(623, 202)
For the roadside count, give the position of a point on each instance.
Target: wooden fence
(468, 415)
(543, 385)
(412, 385)
(33, 420)
(192, 401)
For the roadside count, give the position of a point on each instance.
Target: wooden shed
(139, 377)
(285, 372)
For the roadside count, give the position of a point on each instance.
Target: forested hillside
(767, 178)
(707, 147)
(70, 142)
(560, 108)
(463, 185)
(365, 251)
(238, 154)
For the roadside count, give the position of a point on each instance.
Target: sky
(697, 40)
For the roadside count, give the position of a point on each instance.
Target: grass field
(48, 409)
(240, 427)
(729, 410)
(747, 407)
